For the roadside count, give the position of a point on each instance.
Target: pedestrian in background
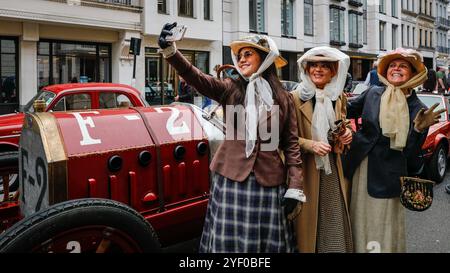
(388, 146)
(323, 224)
(245, 212)
(372, 77)
(430, 85)
(441, 81)
(185, 92)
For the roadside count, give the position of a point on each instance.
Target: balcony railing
(443, 22)
(129, 5)
(443, 49)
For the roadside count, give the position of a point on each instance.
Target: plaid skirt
(245, 217)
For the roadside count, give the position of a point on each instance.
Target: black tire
(10, 159)
(36, 232)
(438, 164)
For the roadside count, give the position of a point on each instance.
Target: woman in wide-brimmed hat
(323, 224)
(245, 212)
(394, 127)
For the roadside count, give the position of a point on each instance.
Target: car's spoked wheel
(442, 162)
(438, 164)
(92, 239)
(82, 225)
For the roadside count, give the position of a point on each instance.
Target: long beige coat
(306, 222)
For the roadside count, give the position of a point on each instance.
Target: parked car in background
(436, 146)
(289, 85)
(63, 97)
(153, 93)
(357, 89)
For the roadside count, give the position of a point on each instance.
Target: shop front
(157, 68)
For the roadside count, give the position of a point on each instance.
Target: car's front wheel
(438, 164)
(82, 225)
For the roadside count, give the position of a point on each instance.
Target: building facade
(47, 42)
(201, 45)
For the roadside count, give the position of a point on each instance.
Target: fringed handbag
(416, 193)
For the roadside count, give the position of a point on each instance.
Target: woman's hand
(321, 148)
(347, 137)
(166, 31)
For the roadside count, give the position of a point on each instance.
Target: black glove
(289, 205)
(164, 33)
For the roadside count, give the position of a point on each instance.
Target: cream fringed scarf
(394, 111)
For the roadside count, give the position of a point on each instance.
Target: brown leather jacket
(230, 160)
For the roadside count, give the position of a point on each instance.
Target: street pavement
(429, 231)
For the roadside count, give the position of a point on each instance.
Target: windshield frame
(40, 95)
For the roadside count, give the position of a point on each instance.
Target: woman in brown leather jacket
(245, 212)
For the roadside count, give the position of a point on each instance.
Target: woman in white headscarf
(323, 224)
(248, 187)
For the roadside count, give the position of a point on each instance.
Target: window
(420, 38)
(308, 13)
(407, 35)
(355, 28)
(186, 8)
(287, 17)
(207, 9)
(337, 25)
(431, 39)
(413, 37)
(257, 22)
(382, 35)
(403, 35)
(382, 8)
(64, 62)
(394, 36)
(365, 21)
(73, 102)
(9, 97)
(162, 6)
(426, 39)
(394, 8)
(113, 100)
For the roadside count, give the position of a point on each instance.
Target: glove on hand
(426, 118)
(164, 33)
(289, 205)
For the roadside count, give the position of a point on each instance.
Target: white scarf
(258, 96)
(323, 116)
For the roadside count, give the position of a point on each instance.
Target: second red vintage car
(64, 97)
(436, 146)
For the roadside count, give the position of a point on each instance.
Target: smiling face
(248, 61)
(320, 73)
(399, 72)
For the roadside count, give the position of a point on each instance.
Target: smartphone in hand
(177, 33)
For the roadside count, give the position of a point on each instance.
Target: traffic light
(135, 46)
